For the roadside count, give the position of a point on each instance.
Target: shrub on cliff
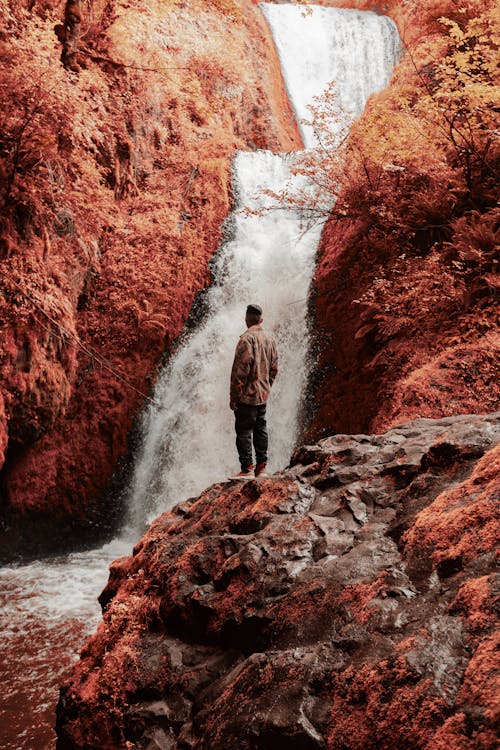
(416, 217)
(426, 153)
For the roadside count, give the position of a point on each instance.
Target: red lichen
(383, 705)
(357, 598)
(142, 135)
(463, 521)
(476, 602)
(481, 685)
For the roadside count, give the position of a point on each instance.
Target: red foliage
(407, 282)
(115, 184)
(383, 705)
(462, 522)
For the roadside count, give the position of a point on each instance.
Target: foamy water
(355, 49)
(188, 443)
(48, 608)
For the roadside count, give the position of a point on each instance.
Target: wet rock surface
(346, 602)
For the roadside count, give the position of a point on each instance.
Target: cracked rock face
(346, 602)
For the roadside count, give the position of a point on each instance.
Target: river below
(47, 610)
(49, 607)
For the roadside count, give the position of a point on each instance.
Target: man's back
(255, 367)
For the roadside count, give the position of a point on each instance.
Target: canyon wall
(346, 603)
(116, 180)
(407, 285)
(115, 185)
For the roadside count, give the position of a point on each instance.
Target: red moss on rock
(476, 601)
(463, 521)
(288, 612)
(386, 705)
(481, 685)
(116, 184)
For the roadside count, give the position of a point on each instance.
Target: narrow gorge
(183, 159)
(270, 256)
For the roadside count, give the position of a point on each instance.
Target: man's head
(253, 315)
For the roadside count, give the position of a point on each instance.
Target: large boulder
(346, 602)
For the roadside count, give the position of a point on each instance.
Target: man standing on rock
(254, 370)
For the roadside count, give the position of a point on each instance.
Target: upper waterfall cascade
(48, 607)
(355, 49)
(189, 442)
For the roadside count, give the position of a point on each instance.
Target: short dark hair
(254, 310)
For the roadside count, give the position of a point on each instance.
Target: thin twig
(92, 354)
(118, 64)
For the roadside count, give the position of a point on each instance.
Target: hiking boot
(243, 475)
(260, 470)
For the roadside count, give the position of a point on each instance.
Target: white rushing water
(188, 443)
(48, 607)
(354, 49)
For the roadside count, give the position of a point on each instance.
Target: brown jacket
(254, 368)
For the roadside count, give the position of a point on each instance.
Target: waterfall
(47, 607)
(355, 49)
(188, 442)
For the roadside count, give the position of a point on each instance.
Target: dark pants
(250, 425)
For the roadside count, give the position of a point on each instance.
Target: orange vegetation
(463, 521)
(380, 706)
(407, 280)
(476, 602)
(115, 183)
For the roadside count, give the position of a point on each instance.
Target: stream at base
(47, 610)
(49, 607)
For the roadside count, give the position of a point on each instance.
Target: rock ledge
(346, 602)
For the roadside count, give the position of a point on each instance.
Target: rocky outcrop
(345, 602)
(115, 186)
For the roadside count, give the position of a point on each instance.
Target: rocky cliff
(407, 283)
(346, 602)
(115, 186)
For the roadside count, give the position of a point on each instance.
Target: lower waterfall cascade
(188, 442)
(268, 258)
